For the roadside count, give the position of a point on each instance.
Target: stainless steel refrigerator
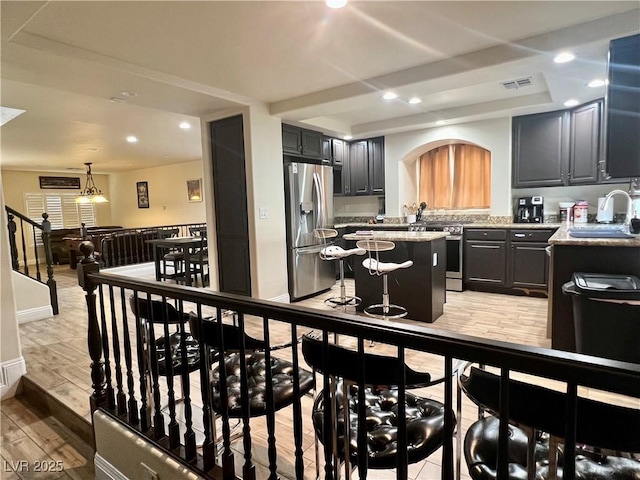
(309, 205)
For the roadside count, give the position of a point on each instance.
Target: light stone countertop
(397, 236)
(527, 226)
(562, 237)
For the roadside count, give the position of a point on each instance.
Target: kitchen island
(420, 288)
(586, 255)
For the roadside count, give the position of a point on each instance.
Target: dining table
(181, 244)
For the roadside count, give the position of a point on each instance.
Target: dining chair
(348, 420)
(606, 434)
(198, 258)
(245, 356)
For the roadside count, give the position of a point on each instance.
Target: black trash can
(606, 315)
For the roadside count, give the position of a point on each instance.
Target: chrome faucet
(627, 220)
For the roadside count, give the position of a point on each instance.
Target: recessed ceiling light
(440, 122)
(184, 125)
(118, 100)
(127, 93)
(348, 137)
(564, 57)
(571, 103)
(132, 139)
(335, 3)
(415, 100)
(389, 96)
(598, 82)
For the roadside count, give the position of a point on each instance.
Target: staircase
(28, 260)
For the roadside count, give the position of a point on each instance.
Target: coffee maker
(530, 210)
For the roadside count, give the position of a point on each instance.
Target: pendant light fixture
(91, 194)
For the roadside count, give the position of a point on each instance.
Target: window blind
(62, 208)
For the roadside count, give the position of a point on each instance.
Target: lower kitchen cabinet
(485, 257)
(507, 260)
(528, 259)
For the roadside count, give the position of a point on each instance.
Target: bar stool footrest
(346, 302)
(377, 311)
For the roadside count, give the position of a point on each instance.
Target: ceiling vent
(516, 84)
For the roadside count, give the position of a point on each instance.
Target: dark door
(623, 108)
(291, 142)
(585, 143)
(485, 262)
(230, 196)
(529, 265)
(540, 149)
(358, 163)
(376, 166)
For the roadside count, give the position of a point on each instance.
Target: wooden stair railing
(31, 254)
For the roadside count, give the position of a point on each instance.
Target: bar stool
(334, 252)
(384, 310)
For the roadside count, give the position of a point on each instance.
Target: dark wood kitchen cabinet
(301, 142)
(485, 259)
(623, 108)
(559, 148)
(528, 259)
(585, 150)
(540, 149)
(366, 165)
(506, 260)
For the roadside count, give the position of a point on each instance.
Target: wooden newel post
(87, 266)
(11, 224)
(51, 283)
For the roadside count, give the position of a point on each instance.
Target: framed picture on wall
(142, 189)
(59, 182)
(194, 190)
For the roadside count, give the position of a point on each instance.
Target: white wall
(168, 201)
(265, 172)
(402, 151)
(12, 365)
(265, 189)
(33, 300)
(16, 183)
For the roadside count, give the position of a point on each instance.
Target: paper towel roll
(606, 215)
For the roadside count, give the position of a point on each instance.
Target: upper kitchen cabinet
(540, 149)
(623, 108)
(558, 148)
(585, 151)
(366, 165)
(301, 142)
(334, 151)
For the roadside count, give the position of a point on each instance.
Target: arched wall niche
(409, 164)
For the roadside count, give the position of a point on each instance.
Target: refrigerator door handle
(319, 194)
(311, 249)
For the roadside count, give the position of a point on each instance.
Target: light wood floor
(37, 446)
(56, 355)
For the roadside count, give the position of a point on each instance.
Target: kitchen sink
(603, 231)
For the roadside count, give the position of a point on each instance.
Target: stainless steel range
(455, 248)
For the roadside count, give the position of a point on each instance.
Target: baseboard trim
(11, 372)
(33, 314)
(284, 298)
(106, 471)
